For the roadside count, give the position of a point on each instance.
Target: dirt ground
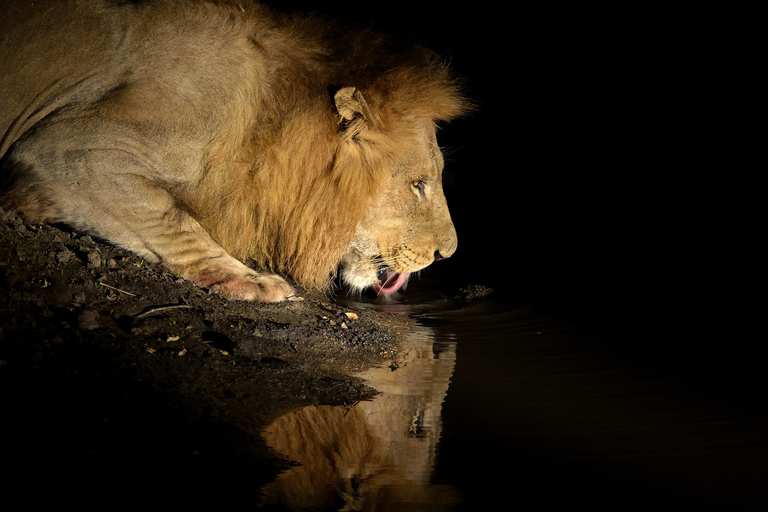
(121, 384)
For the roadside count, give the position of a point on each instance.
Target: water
(546, 408)
(521, 404)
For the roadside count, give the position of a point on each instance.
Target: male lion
(204, 134)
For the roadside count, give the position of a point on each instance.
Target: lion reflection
(378, 454)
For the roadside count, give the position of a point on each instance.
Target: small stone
(88, 320)
(94, 258)
(64, 256)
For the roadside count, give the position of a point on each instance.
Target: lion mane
(293, 124)
(303, 164)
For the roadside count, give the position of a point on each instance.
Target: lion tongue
(392, 283)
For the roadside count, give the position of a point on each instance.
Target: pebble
(88, 320)
(64, 256)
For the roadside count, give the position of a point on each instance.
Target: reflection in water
(546, 406)
(375, 455)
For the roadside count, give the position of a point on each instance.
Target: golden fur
(192, 132)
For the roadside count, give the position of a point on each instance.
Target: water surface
(507, 402)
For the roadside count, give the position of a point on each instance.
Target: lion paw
(256, 288)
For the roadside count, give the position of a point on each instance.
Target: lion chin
(217, 138)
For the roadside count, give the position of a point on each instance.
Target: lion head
(407, 225)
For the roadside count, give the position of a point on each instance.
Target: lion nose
(446, 249)
(439, 255)
(445, 244)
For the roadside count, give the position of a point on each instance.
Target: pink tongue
(393, 283)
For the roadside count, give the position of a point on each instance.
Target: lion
(216, 137)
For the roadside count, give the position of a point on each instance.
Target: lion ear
(354, 111)
(350, 104)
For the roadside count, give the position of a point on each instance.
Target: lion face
(408, 225)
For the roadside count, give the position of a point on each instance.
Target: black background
(599, 170)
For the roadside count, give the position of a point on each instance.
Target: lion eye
(419, 185)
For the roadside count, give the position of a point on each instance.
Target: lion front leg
(196, 257)
(182, 245)
(175, 239)
(124, 205)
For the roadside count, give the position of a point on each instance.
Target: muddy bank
(123, 384)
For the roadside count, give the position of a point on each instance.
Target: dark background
(600, 169)
(605, 172)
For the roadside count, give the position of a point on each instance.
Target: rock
(94, 258)
(88, 320)
(64, 256)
